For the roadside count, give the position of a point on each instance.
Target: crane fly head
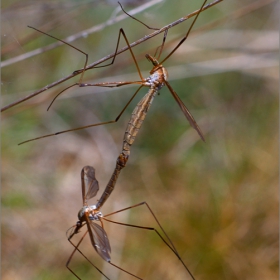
(152, 59)
(81, 213)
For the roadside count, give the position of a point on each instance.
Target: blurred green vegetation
(217, 200)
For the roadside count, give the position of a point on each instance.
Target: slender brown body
(155, 82)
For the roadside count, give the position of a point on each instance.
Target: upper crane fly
(156, 80)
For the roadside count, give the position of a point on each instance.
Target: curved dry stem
(92, 65)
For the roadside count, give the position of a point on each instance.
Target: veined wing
(99, 240)
(185, 111)
(90, 185)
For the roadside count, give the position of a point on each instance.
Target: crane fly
(90, 214)
(132, 129)
(156, 80)
(87, 215)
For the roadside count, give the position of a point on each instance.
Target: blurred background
(217, 200)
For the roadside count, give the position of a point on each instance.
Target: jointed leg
(171, 245)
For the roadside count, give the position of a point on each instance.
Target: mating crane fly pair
(156, 80)
(89, 214)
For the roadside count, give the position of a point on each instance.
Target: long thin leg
(77, 249)
(152, 28)
(171, 245)
(186, 36)
(64, 42)
(161, 46)
(107, 84)
(125, 271)
(140, 204)
(79, 50)
(142, 227)
(87, 126)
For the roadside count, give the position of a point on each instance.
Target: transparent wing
(99, 240)
(185, 111)
(90, 185)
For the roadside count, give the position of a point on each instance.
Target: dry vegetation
(217, 200)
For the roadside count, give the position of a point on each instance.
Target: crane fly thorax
(157, 77)
(90, 212)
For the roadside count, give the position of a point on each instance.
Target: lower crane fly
(90, 214)
(156, 80)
